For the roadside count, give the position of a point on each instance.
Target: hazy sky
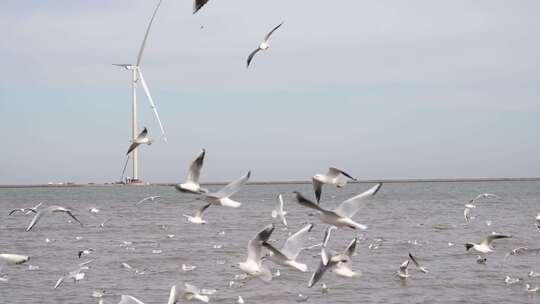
(383, 89)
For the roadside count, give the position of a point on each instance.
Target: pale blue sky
(383, 89)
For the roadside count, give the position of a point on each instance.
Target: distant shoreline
(412, 180)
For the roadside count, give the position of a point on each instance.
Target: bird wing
(125, 299)
(334, 172)
(232, 187)
(199, 212)
(295, 243)
(280, 211)
(277, 253)
(271, 32)
(173, 295)
(404, 265)
(15, 210)
(306, 202)
(132, 147)
(317, 187)
(197, 4)
(493, 237)
(73, 216)
(142, 135)
(250, 57)
(59, 282)
(318, 274)
(195, 168)
(349, 207)
(351, 248)
(37, 218)
(327, 235)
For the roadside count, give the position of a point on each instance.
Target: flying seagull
(48, 210)
(253, 264)
(263, 46)
(483, 195)
(197, 218)
(192, 181)
(190, 292)
(26, 210)
(76, 274)
(198, 4)
(332, 177)
(141, 139)
(279, 210)
(485, 245)
(342, 215)
(326, 263)
(467, 212)
(221, 197)
(415, 262)
(344, 267)
(291, 249)
(149, 198)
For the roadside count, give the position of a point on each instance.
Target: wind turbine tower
(136, 76)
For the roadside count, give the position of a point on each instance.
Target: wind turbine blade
(152, 104)
(139, 57)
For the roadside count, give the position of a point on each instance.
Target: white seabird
(48, 210)
(538, 221)
(141, 139)
(278, 211)
(403, 273)
(16, 259)
(253, 264)
(190, 292)
(76, 274)
(263, 46)
(344, 267)
(192, 180)
(197, 218)
(222, 197)
(467, 212)
(481, 196)
(26, 211)
(291, 249)
(149, 198)
(327, 263)
(342, 215)
(485, 245)
(332, 177)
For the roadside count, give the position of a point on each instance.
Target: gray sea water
(422, 218)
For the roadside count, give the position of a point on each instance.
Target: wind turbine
(136, 75)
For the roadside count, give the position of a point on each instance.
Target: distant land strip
(411, 180)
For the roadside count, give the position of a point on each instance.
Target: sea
(161, 247)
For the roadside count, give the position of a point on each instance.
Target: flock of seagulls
(262, 249)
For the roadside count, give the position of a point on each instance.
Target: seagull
(344, 267)
(48, 210)
(85, 252)
(520, 251)
(76, 274)
(192, 180)
(125, 299)
(531, 289)
(481, 260)
(263, 46)
(279, 210)
(240, 300)
(327, 263)
(467, 212)
(16, 259)
(342, 215)
(197, 218)
(403, 273)
(150, 198)
(141, 139)
(222, 196)
(291, 249)
(198, 4)
(415, 262)
(103, 223)
(483, 195)
(253, 264)
(485, 245)
(332, 177)
(509, 280)
(190, 292)
(533, 274)
(26, 211)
